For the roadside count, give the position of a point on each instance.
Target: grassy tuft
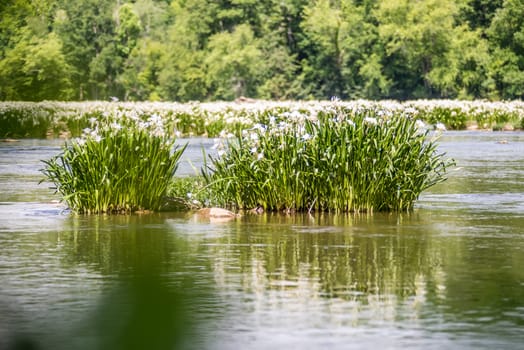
(120, 164)
(333, 159)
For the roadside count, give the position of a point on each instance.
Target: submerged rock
(215, 214)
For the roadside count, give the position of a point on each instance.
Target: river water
(449, 275)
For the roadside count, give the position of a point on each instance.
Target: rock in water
(216, 214)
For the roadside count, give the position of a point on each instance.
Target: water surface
(447, 275)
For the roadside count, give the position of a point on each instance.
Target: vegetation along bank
(68, 119)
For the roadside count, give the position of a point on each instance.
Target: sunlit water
(449, 275)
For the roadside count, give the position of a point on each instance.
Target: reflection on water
(448, 275)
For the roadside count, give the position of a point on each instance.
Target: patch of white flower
(440, 127)
(371, 121)
(420, 124)
(226, 118)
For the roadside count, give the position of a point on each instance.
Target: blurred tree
(140, 77)
(142, 67)
(344, 56)
(278, 73)
(280, 49)
(15, 14)
(479, 13)
(506, 33)
(128, 29)
(182, 75)
(471, 74)
(325, 29)
(280, 32)
(86, 27)
(35, 69)
(232, 61)
(419, 42)
(155, 16)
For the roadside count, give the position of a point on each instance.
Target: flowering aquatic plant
(122, 163)
(331, 159)
(29, 119)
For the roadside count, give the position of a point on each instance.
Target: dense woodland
(184, 50)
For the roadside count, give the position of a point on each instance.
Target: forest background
(186, 50)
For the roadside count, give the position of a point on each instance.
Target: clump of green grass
(337, 160)
(123, 163)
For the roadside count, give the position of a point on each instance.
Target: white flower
(80, 141)
(94, 134)
(158, 132)
(306, 137)
(143, 125)
(155, 118)
(440, 127)
(282, 125)
(371, 121)
(296, 115)
(116, 126)
(420, 124)
(410, 111)
(260, 127)
(189, 195)
(260, 155)
(254, 150)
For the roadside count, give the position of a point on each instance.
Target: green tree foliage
(14, 17)
(181, 75)
(479, 13)
(280, 36)
(86, 28)
(35, 69)
(344, 57)
(279, 49)
(140, 78)
(417, 37)
(233, 62)
(507, 33)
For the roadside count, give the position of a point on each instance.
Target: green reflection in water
(413, 265)
(171, 279)
(377, 267)
(156, 284)
(120, 243)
